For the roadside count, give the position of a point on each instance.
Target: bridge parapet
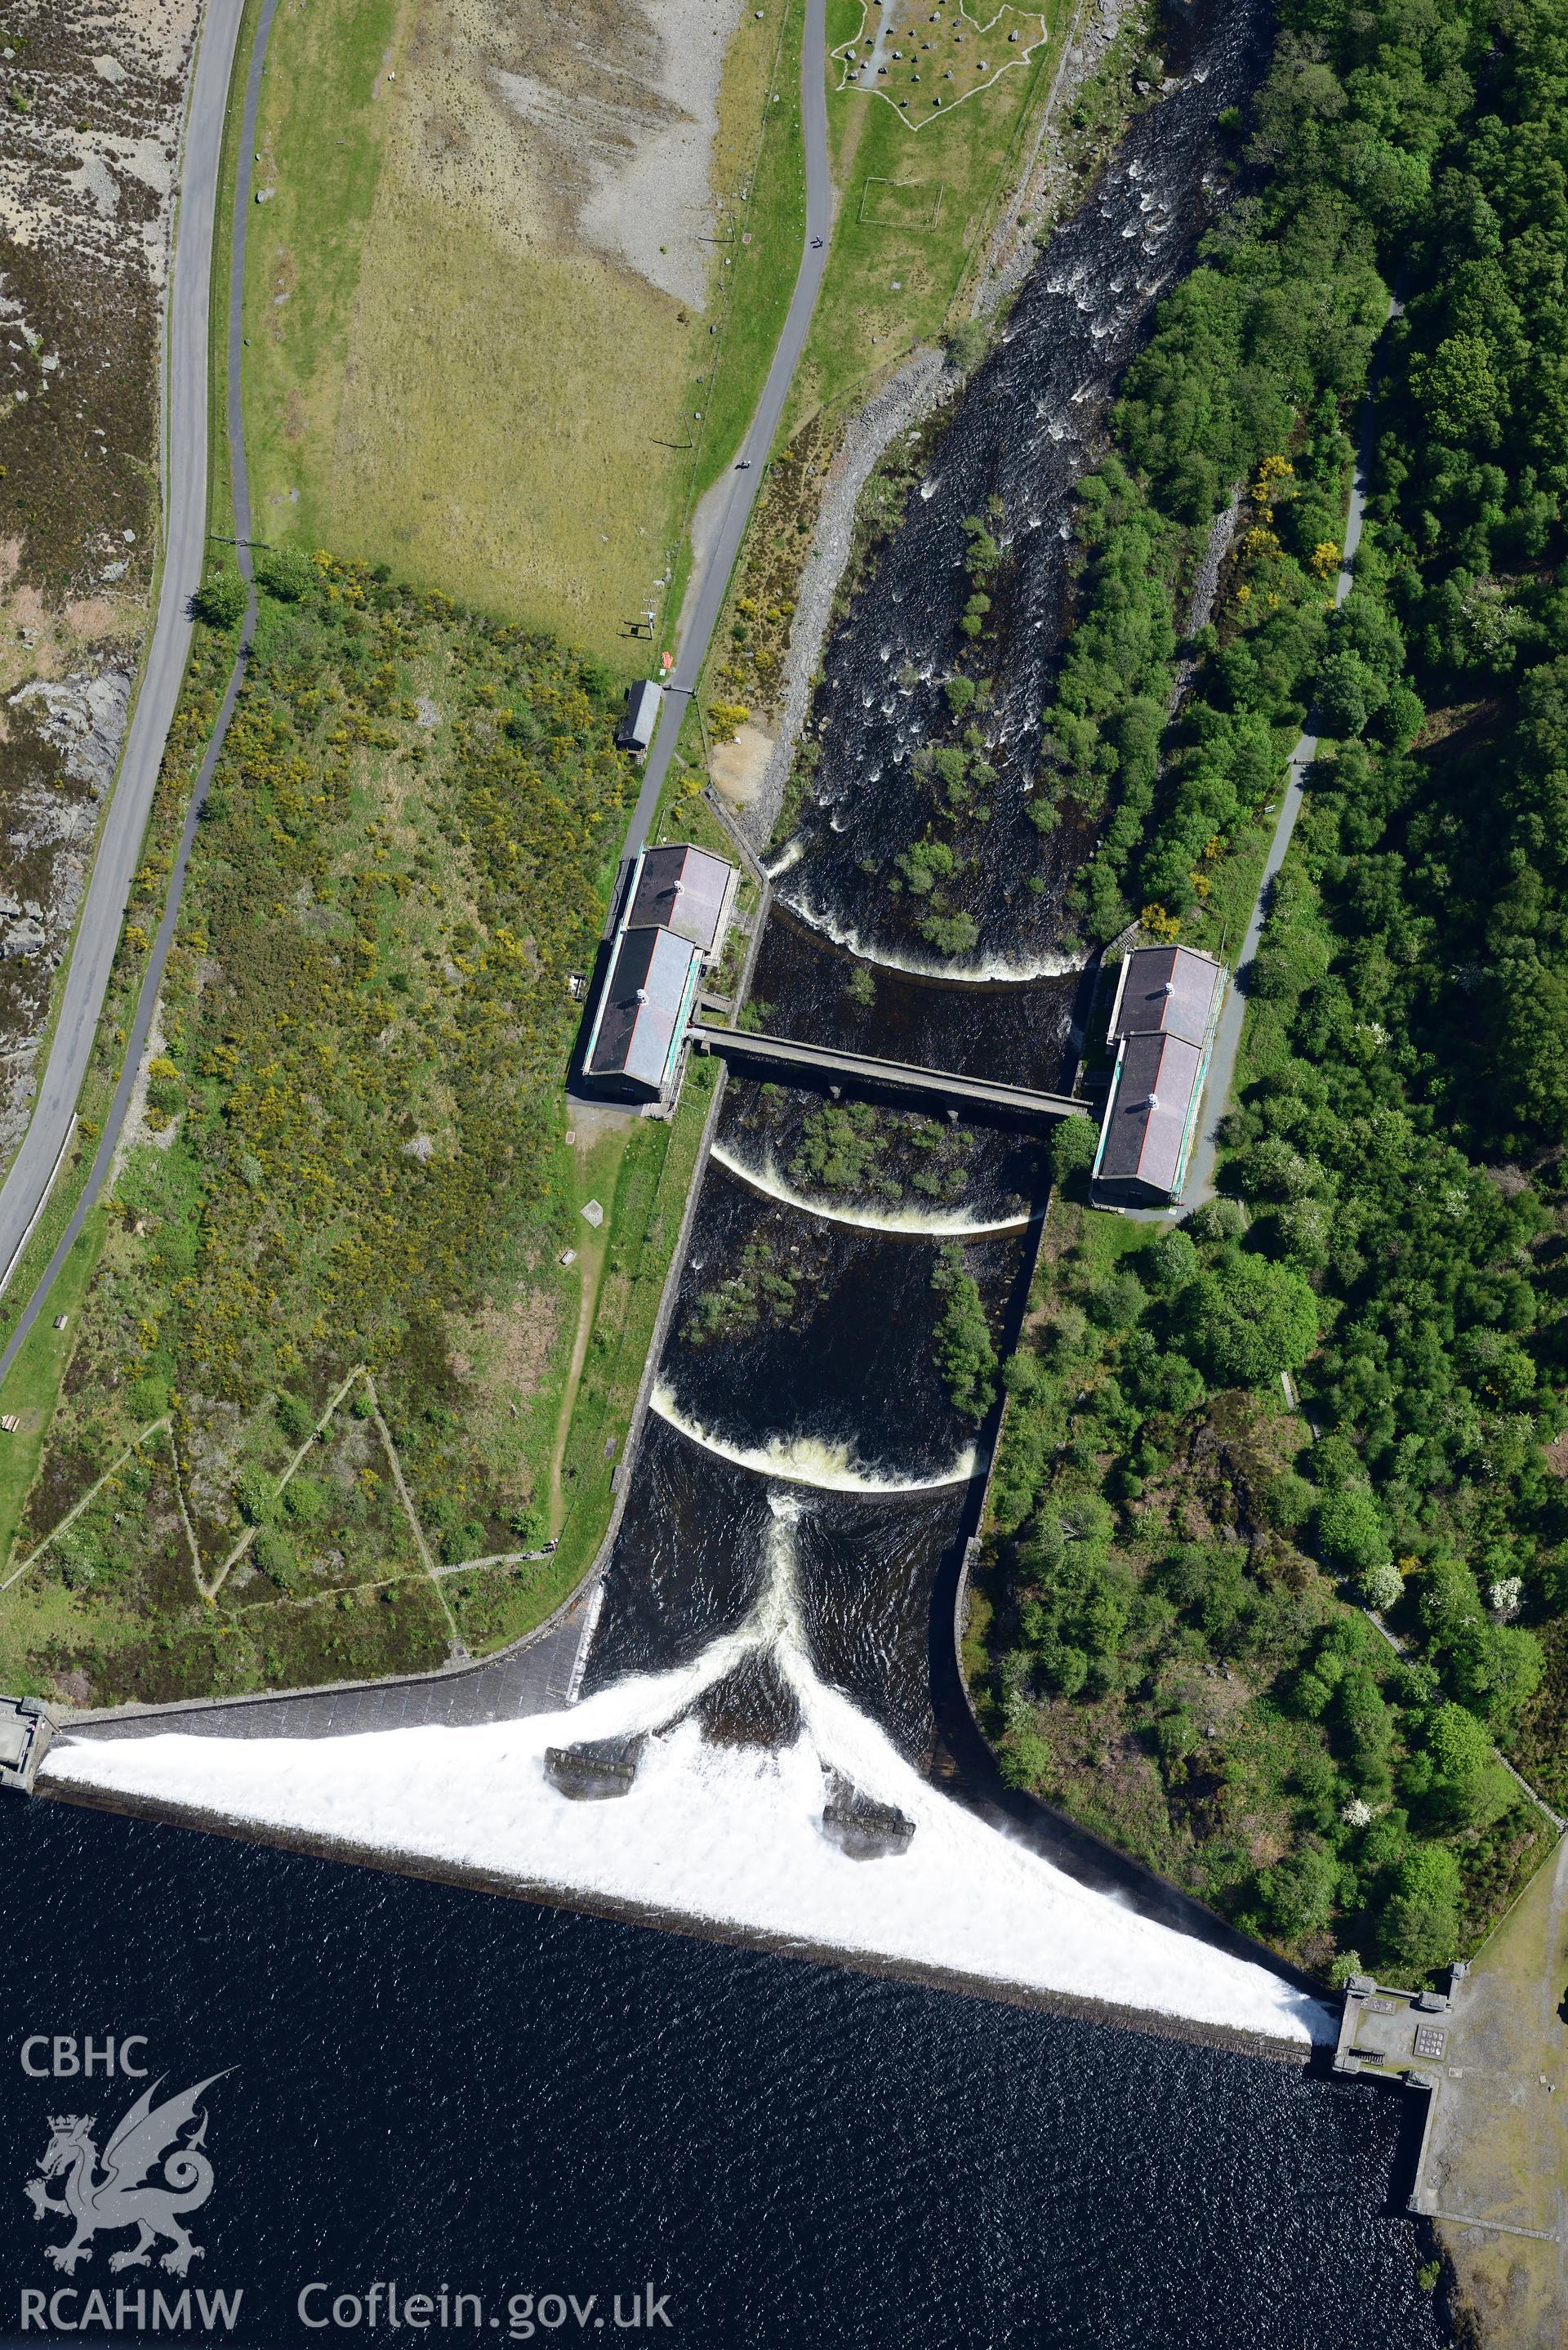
(866, 1070)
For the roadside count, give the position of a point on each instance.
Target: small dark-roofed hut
(640, 717)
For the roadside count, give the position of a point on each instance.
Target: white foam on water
(791, 854)
(961, 974)
(806, 1460)
(724, 1837)
(911, 1223)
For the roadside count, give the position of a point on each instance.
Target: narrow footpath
(1228, 1038)
(27, 1186)
(718, 559)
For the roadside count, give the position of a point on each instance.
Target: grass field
(32, 1385)
(749, 307)
(913, 204)
(443, 374)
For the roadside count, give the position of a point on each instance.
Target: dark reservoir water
(456, 2092)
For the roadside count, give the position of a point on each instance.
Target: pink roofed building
(1162, 1025)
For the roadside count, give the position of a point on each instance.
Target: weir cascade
(802, 1354)
(806, 1483)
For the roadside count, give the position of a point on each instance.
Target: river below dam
(803, 1346)
(503, 2099)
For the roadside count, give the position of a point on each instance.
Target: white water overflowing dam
(996, 970)
(777, 1621)
(711, 1835)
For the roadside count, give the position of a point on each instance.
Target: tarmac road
(25, 1189)
(185, 533)
(725, 543)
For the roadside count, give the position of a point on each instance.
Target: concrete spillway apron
(709, 600)
(186, 475)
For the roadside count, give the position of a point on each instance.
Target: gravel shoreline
(905, 400)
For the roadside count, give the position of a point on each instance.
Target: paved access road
(185, 396)
(208, 92)
(725, 543)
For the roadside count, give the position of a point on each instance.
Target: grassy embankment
(32, 1385)
(913, 212)
(760, 178)
(920, 192)
(914, 202)
(414, 891)
(760, 118)
(444, 372)
(624, 1267)
(916, 210)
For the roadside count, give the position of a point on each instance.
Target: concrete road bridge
(865, 1073)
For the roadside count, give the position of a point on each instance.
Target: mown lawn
(913, 204)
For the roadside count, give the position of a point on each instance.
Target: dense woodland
(1177, 1623)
